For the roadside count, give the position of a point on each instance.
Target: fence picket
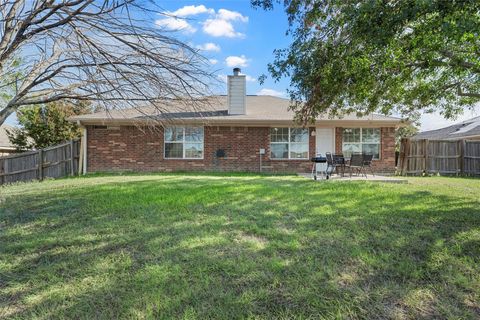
(441, 156)
(53, 162)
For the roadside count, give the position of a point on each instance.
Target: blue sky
(233, 34)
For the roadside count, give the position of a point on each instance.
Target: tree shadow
(210, 247)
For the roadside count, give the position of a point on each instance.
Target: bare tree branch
(110, 52)
(467, 94)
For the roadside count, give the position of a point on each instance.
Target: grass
(241, 246)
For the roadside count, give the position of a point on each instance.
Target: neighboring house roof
(463, 130)
(4, 141)
(214, 110)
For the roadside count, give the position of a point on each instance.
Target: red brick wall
(386, 163)
(129, 148)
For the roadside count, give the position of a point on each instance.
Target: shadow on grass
(234, 247)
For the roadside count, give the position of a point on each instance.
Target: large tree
(106, 51)
(380, 56)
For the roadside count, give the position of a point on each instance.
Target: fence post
(72, 164)
(466, 170)
(401, 155)
(2, 171)
(426, 156)
(40, 164)
(461, 148)
(406, 153)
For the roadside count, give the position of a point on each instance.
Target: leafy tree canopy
(46, 125)
(380, 56)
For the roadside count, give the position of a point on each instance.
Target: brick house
(236, 132)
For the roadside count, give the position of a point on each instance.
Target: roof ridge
(259, 108)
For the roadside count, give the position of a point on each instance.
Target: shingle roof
(462, 130)
(4, 141)
(215, 109)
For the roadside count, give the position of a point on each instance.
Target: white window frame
(289, 143)
(183, 142)
(362, 143)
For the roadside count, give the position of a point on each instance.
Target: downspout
(84, 137)
(82, 163)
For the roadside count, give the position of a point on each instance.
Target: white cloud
(213, 61)
(175, 24)
(209, 46)
(218, 24)
(220, 28)
(228, 15)
(221, 25)
(191, 11)
(271, 92)
(236, 61)
(249, 78)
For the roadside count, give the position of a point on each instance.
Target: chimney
(236, 92)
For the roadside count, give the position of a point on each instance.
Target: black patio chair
(332, 165)
(356, 164)
(367, 162)
(339, 160)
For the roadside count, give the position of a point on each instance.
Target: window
(366, 140)
(288, 143)
(184, 143)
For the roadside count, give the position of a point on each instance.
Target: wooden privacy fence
(471, 158)
(447, 157)
(53, 162)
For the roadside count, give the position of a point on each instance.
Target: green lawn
(213, 246)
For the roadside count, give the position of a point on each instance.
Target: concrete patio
(369, 177)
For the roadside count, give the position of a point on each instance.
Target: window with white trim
(183, 143)
(288, 143)
(361, 140)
